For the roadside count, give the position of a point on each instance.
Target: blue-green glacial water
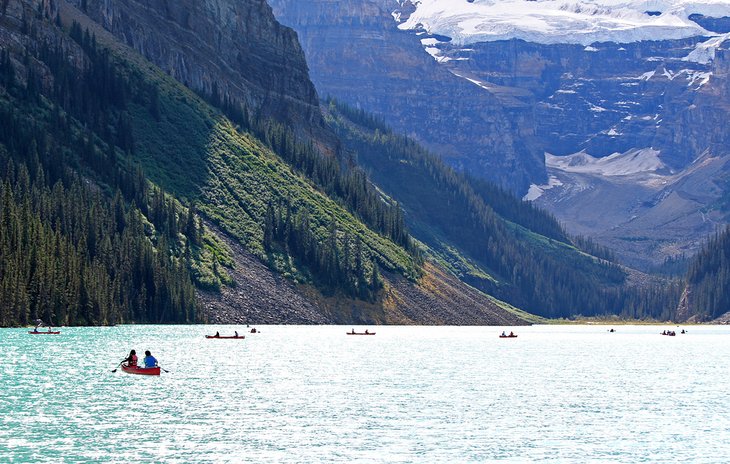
(564, 394)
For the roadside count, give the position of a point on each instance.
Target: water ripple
(568, 394)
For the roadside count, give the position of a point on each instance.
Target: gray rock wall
(357, 54)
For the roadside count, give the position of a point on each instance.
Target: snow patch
(647, 75)
(481, 84)
(582, 22)
(634, 161)
(536, 191)
(429, 45)
(701, 78)
(704, 52)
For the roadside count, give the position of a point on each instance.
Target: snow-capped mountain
(611, 114)
(560, 21)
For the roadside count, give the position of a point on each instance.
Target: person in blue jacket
(149, 360)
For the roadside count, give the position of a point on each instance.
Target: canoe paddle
(163, 369)
(115, 369)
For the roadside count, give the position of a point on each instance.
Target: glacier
(583, 22)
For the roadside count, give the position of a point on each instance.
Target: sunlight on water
(408, 394)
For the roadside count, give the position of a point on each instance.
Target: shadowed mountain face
(357, 54)
(235, 49)
(496, 109)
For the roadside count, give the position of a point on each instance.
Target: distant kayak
(141, 370)
(508, 336)
(44, 333)
(239, 337)
(360, 333)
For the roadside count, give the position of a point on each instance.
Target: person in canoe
(217, 335)
(511, 334)
(504, 334)
(149, 360)
(235, 332)
(353, 331)
(131, 360)
(366, 331)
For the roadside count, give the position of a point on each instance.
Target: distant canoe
(508, 336)
(44, 333)
(230, 337)
(360, 333)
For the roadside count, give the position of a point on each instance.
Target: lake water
(409, 394)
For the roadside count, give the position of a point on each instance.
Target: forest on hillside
(108, 246)
(75, 251)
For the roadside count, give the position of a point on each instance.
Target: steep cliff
(357, 54)
(234, 49)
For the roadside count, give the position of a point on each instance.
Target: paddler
(149, 360)
(131, 359)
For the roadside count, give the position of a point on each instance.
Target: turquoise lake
(564, 394)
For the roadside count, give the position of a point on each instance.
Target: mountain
(357, 54)
(492, 240)
(150, 176)
(500, 89)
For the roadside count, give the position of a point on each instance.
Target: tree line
(339, 263)
(708, 277)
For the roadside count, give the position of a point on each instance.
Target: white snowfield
(563, 21)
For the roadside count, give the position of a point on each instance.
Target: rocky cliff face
(495, 108)
(357, 54)
(616, 103)
(234, 48)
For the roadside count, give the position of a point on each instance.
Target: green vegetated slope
(493, 240)
(106, 121)
(194, 151)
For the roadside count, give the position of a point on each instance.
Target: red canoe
(360, 333)
(141, 370)
(508, 336)
(240, 337)
(44, 333)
